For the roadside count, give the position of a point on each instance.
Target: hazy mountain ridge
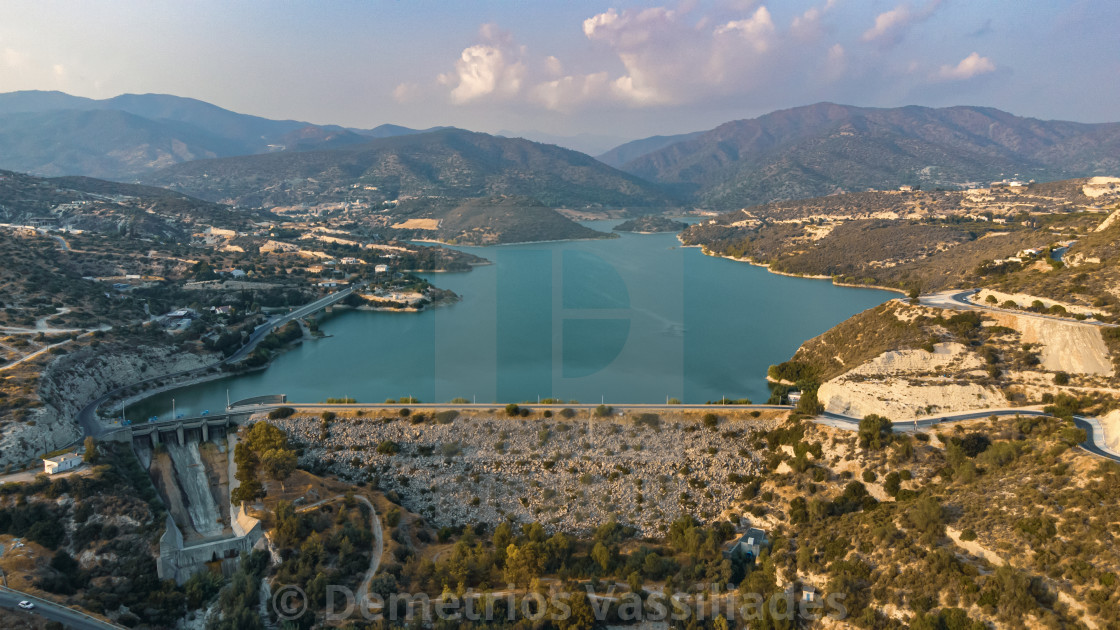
(820, 149)
(445, 163)
(623, 153)
(52, 133)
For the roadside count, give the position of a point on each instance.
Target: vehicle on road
(205, 412)
(26, 605)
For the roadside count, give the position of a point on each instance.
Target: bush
(875, 432)
(446, 416)
(603, 411)
(388, 447)
(328, 416)
(869, 476)
(404, 411)
(710, 420)
(1061, 378)
(567, 412)
(280, 413)
(512, 409)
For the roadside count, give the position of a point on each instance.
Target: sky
(617, 69)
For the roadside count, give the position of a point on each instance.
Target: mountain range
(215, 154)
(825, 148)
(52, 133)
(447, 163)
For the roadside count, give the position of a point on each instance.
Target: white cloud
(836, 62)
(971, 66)
(14, 58)
(489, 69)
(891, 26)
(757, 30)
(807, 26)
(406, 92)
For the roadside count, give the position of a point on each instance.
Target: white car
(26, 605)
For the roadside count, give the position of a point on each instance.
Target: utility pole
(172, 408)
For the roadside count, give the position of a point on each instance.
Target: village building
(61, 463)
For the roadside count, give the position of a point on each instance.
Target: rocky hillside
(929, 241)
(97, 205)
(825, 148)
(72, 381)
(445, 163)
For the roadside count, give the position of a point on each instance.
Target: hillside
(509, 220)
(445, 163)
(52, 133)
(97, 205)
(825, 148)
(623, 153)
(937, 240)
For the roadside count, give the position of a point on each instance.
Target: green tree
(90, 456)
(874, 432)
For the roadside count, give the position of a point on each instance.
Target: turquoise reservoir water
(634, 319)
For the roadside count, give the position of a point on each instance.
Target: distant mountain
(589, 143)
(445, 163)
(825, 148)
(621, 154)
(388, 131)
(52, 133)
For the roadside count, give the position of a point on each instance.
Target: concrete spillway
(191, 475)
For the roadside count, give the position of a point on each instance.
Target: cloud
(407, 92)
(891, 26)
(807, 26)
(13, 58)
(669, 59)
(489, 69)
(971, 66)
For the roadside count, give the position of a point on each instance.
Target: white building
(381, 269)
(61, 463)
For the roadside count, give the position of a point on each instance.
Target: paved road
(92, 426)
(53, 612)
(263, 330)
(1094, 442)
(958, 300)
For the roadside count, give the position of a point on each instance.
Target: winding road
(958, 300)
(87, 417)
(54, 612)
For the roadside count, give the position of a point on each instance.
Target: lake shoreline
(767, 267)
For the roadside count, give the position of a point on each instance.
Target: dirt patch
(418, 224)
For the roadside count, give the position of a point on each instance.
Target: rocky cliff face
(73, 381)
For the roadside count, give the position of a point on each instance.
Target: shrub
(446, 416)
(1061, 378)
(567, 412)
(512, 409)
(869, 476)
(710, 420)
(875, 432)
(404, 411)
(603, 411)
(280, 413)
(328, 416)
(388, 447)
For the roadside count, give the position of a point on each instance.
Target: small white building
(61, 463)
(381, 269)
(794, 396)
